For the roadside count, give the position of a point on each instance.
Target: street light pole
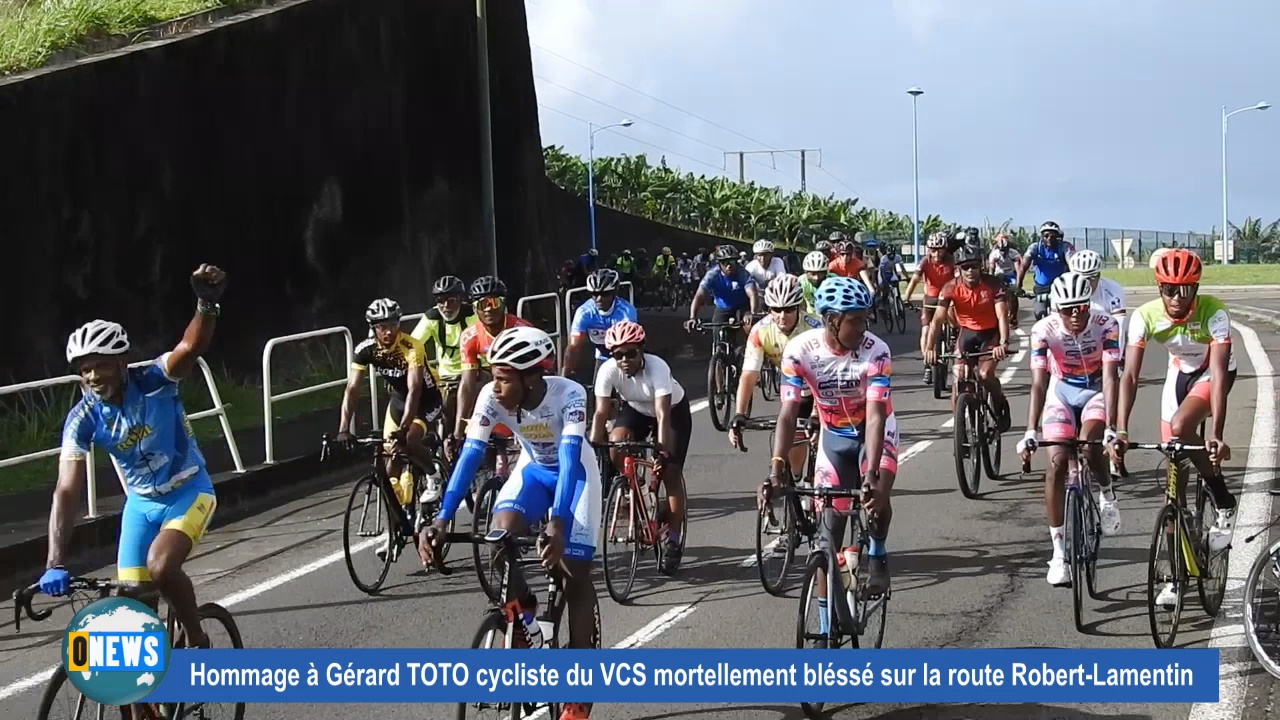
(915, 92)
(591, 177)
(1226, 232)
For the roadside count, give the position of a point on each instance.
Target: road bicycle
(777, 540)
(975, 432)
(377, 511)
(177, 637)
(1262, 602)
(502, 624)
(940, 373)
(855, 617)
(1084, 522)
(770, 381)
(636, 516)
(722, 373)
(1182, 544)
(502, 456)
(892, 311)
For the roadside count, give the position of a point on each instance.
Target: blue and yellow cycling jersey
(148, 434)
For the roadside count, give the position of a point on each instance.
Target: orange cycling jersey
(852, 269)
(975, 307)
(935, 274)
(474, 344)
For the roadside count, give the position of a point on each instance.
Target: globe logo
(115, 651)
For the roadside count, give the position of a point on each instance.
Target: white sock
(1059, 537)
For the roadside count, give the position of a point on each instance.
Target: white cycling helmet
(815, 261)
(1069, 289)
(936, 241)
(783, 292)
(521, 347)
(762, 246)
(1085, 262)
(99, 337)
(382, 310)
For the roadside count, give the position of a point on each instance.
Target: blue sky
(1104, 114)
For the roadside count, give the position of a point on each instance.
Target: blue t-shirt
(589, 320)
(728, 291)
(1048, 263)
(148, 435)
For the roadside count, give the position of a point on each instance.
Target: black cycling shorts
(642, 426)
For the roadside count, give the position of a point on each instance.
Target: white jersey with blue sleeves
(589, 321)
(148, 434)
(562, 413)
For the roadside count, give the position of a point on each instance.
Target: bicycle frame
(843, 622)
(1174, 495)
(380, 456)
(648, 526)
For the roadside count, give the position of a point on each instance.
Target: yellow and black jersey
(393, 364)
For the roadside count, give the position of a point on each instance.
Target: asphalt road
(966, 573)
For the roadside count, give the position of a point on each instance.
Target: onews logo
(115, 651)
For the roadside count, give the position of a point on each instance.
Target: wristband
(1122, 433)
(208, 308)
(775, 459)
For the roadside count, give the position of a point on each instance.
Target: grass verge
(33, 421)
(31, 31)
(1213, 275)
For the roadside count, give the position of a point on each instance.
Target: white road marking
(1252, 514)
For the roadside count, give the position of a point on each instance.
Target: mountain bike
(722, 373)
(177, 638)
(1084, 522)
(975, 433)
(501, 626)
(1262, 604)
(777, 540)
(635, 516)
(1188, 555)
(855, 618)
(379, 514)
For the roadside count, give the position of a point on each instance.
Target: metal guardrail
(267, 398)
(218, 409)
(570, 308)
(556, 336)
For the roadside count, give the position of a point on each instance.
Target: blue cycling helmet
(839, 294)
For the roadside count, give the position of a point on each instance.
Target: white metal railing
(570, 308)
(559, 314)
(267, 398)
(218, 409)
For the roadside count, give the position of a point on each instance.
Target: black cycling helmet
(724, 253)
(488, 286)
(965, 254)
(450, 285)
(837, 236)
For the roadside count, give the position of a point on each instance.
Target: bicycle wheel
(212, 613)
(1163, 565)
(492, 634)
(808, 630)
(940, 370)
(1093, 541)
(768, 382)
(966, 444)
(776, 547)
(483, 555)
(1076, 551)
(78, 708)
(1262, 609)
(1211, 585)
(716, 378)
(369, 504)
(621, 524)
(868, 612)
(991, 435)
(728, 389)
(900, 313)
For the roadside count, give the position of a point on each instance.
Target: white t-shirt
(762, 275)
(640, 390)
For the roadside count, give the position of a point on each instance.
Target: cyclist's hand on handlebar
(930, 356)
(551, 547)
(765, 494)
(690, 325)
(1117, 449)
(735, 432)
(344, 440)
(1219, 452)
(999, 352)
(55, 581)
(1027, 446)
(430, 540)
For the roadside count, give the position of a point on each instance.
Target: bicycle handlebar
(22, 598)
(821, 491)
(1073, 443)
(627, 445)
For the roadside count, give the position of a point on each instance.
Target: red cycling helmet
(624, 333)
(1178, 267)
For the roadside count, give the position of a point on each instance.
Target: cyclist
(825, 247)
(1003, 262)
(768, 339)
(701, 262)
(587, 262)
(664, 266)
(440, 332)
(654, 405)
(849, 264)
(730, 286)
(1049, 260)
(848, 369)
(1108, 295)
(937, 269)
(1196, 331)
(815, 271)
(979, 304)
(626, 267)
(1075, 355)
(137, 416)
(766, 266)
(595, 316)
(556, 472)
(889, 272)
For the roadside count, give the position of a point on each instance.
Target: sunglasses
(1170, 290)
(626, 355)
(969, 267)
(1074, 310)
(605, 294)
(490, 303)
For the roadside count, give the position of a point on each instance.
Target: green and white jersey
(1188, 342)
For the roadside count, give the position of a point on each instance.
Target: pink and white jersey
(842, 382)
(1075, 359)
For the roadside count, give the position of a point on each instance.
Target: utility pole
(486, 137)
(803, 152)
